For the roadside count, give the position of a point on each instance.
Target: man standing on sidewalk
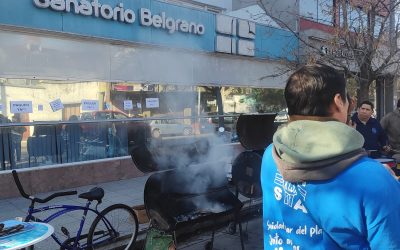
(320, 191)
(374, 135)
(391, 124)
(6, 152)
(16, 135)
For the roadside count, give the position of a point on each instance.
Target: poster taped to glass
(56, 105)
(90, 105)
(152, 103)
(18, 107)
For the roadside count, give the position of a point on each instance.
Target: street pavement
(225, 241)
(130, 192)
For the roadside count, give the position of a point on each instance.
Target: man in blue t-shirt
(372, 131)
(320, 191)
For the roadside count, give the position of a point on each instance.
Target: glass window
(325, 11)
(120, 116)
(77, 133)
(86, 116)
(103, 116)
(309, 9)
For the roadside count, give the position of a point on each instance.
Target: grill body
(170, 205)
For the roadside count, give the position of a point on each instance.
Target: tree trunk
(365, 80)
(363, 94)
(217, 93)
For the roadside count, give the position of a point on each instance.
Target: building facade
(61, 59)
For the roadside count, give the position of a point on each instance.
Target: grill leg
(175, 241)
(212, 237)
(239, 221)
(209, 245)
(232, 225)
(241, 234)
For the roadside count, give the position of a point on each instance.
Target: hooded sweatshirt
(320, 191)
(391, 124)
(374, 135)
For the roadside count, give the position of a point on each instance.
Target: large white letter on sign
(42, 3)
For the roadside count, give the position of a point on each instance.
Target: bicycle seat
(95, 193)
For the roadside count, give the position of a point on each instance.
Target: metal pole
(198, 101)
(392, 25)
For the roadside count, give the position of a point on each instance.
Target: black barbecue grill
(255, 133)
(171, 198)
(171, 206)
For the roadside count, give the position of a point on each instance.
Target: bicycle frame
(63, 210)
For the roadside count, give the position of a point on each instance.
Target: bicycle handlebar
(19, 186)
(54, 196)
(26, 196)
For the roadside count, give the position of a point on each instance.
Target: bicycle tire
(116, 215)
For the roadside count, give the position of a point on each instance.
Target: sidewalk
(129, 192)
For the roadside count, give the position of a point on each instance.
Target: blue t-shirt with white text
(358, 209)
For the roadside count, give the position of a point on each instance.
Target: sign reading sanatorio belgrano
(86, 8)
(121, 14)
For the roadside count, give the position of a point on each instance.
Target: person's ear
(339, 108)
(339, 103)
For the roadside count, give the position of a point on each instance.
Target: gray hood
(307, 150)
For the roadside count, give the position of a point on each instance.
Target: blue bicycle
(115, 227)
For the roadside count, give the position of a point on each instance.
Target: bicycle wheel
(115, 227)
(68, 244)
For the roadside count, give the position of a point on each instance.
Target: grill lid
(246, 170)
(255, 131)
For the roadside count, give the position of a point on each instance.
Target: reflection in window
(124, 100)
(20, 82)
(317, 10)
(81, 133)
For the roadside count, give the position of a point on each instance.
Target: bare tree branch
(361, 40)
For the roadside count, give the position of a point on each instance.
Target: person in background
(374, 135)
(5, 143)
(73, 132)
(391, 124)
(352, 105)
(16, 135)
(320, 190)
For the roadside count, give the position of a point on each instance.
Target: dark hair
(311, 89)
(73, 118)
(398, 103)
(368, 103)
(17, 117)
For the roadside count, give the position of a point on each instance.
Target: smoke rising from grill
(201, 162)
